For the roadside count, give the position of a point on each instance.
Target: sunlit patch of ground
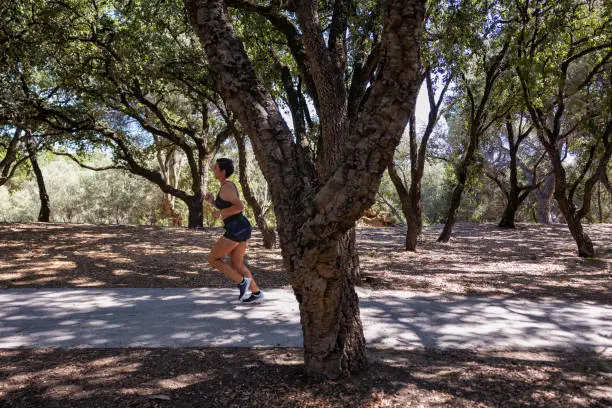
(480, 260)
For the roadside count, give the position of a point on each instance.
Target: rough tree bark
(315, 211)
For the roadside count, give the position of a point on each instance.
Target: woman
(237, 232)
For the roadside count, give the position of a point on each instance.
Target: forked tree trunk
(516, 194)
(543, 194)
(478, 117)
(316, 212)
(567, 207)
(412, 205)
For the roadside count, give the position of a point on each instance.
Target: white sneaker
(244, 289)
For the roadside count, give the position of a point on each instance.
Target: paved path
(209, 317)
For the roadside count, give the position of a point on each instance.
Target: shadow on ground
(203, 318)
(481, 260)
(532, 261)
(275, 378)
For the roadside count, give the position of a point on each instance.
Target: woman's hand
(208, 197)
(216, 214)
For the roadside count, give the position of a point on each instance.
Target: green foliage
(83, 196)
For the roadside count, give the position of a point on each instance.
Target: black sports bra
(221, 203)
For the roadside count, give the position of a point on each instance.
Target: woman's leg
(221, 248)
(237, 259)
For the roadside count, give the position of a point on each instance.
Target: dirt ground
(274, 378)
(481, 260)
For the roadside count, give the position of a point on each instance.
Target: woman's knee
(213, 259)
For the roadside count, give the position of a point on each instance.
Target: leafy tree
(482, 103)
(141, 77)
(554, 70)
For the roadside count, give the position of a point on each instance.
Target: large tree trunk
(195, 204)
(45, 210)
(331, 323)
(507, 220)
(316, 212)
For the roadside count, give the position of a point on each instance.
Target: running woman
(237, 232)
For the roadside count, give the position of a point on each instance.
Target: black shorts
(237, 228)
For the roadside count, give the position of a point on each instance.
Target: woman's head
(224, 167)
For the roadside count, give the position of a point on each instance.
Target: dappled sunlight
(114, 256)
(210, 377)
(480, 260)
(214, 318)
(483, 260)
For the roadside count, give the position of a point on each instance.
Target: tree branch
(85, 166)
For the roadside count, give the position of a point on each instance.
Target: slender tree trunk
(477, 117)
(45, 211)
(534, 214)
(568, 209)
(544, 205)
(7, 163)
(584, 243)
(269, 236)
(599, 202)
(414, 223)
(544, 197)
(451, 215)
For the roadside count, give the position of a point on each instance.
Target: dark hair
(227, 165)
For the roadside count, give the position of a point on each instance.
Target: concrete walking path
(212, 317)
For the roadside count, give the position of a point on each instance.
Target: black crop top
(221, 203)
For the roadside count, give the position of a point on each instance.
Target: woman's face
(219, 174)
